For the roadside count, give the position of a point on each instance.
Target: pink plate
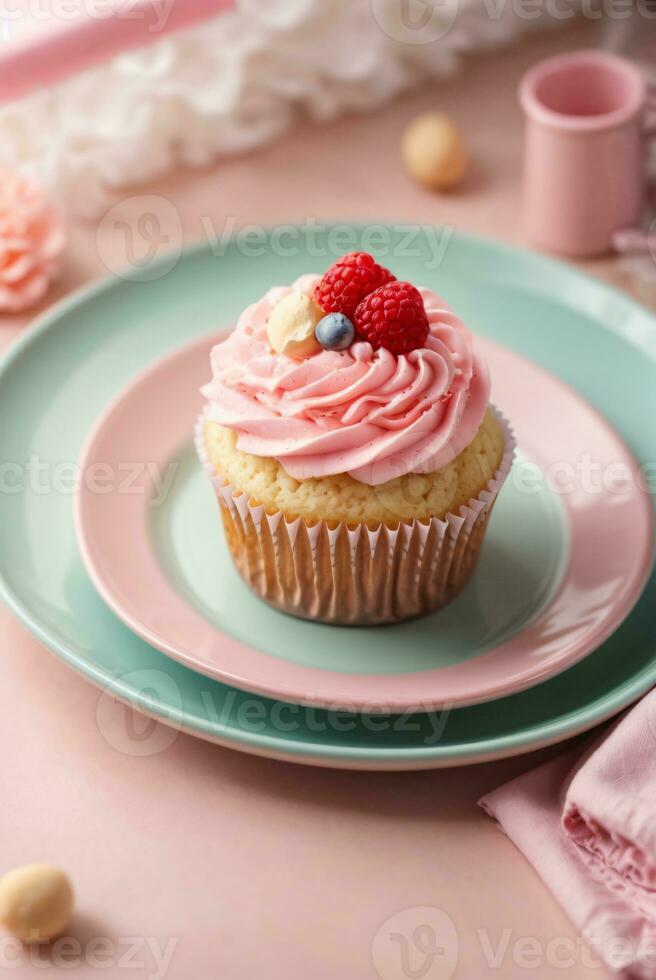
(565, 558)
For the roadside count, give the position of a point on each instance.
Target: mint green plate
(65, 371)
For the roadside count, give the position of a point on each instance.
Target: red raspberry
(393, 317)
(348, 281)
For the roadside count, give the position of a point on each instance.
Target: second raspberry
(393, 316)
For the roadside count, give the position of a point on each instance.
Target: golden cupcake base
(354, 575)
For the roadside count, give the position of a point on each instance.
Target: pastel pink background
(263, 869)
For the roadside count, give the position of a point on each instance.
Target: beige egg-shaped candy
(291, 324)
(36, 902)
(434, 152)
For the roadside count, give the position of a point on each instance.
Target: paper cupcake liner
(354, 576)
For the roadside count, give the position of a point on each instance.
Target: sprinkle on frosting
(368, 413)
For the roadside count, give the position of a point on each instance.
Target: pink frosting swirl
(368, 413)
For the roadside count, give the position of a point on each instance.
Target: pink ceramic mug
(584, 164)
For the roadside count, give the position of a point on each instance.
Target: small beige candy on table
(291, 324)
(433, 151)
(36, 902)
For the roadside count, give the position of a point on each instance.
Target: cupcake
(351, 444)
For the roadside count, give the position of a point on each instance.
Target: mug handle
(639, 241)
(649, 122)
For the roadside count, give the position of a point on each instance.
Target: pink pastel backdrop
(263, 869)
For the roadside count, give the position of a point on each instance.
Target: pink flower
(31, 241)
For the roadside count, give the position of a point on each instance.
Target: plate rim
(528, 739)
(275, 685)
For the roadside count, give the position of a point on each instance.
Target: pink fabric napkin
(587, 823)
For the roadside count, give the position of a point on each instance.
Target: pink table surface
(254, 868)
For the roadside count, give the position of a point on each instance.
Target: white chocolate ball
(291, 324)
(433, 151)
(36, 902)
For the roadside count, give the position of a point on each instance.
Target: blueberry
(335, 332)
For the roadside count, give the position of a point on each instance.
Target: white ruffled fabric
(237, 82)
